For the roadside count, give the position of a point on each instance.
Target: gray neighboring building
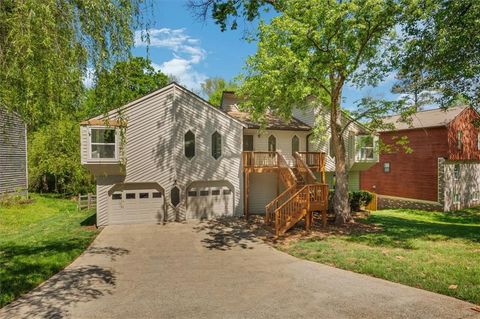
(13, 153)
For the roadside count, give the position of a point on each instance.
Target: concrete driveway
(208, 270)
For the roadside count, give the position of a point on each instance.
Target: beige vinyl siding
(13, 153)
(155, 147)
(263, 188)
(353, 180)
(283, 141)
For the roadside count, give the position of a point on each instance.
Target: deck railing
(260, 159)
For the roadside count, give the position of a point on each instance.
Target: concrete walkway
(208, 270)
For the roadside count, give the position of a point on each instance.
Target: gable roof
(173, 85)
(427, 118)
(272, 122)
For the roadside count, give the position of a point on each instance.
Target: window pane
(143, 195)
(175, 196)
(117, 196)
(216, 145)
(103, 135)
(272, 144)
(192, 193)
(204, 193)
(227, 192)
(248, 143)
(215, 192)
(130, 196)
(157, 195)
(103, 151)
(295, 144)
(189, 144)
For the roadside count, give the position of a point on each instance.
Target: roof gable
(428, 118)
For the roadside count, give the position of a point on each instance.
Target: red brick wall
(411, 175)
(463, 122)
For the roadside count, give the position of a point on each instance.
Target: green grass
(427, 250)
(37, 240)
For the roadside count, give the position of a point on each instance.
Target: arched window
(216, 145)
(175, 196)
(272, 144)
(189, 144)
(295, 144)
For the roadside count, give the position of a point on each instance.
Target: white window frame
(456, 200)
(455, 177)
(89, 144)
(474, 196)
(478, 141)
(358, 154)
(387, 164)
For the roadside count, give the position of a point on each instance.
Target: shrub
(357, 199)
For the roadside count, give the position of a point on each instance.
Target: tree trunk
(341, 204)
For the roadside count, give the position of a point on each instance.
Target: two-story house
(13, 153)
(170, 155)
(443, 169)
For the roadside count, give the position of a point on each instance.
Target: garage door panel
(136, 206)
(209, 199)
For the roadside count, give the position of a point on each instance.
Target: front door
(248, 143)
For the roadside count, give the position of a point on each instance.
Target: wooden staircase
(304, 194)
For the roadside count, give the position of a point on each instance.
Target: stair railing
(276, 202)
(285, 171)
(304, 170)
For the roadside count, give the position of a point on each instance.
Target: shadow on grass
(89, 221)
(400, 232)
(227, 232)
(70, 286)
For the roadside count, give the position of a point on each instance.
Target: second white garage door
(209, 199)
(131, 204)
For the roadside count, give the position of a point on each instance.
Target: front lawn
(37, 240)
(435, 251)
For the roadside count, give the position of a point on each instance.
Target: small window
(143, 195)
(295, 144)
(216, 145)
(175, 196)
(156, 195)
(475, 195)
(117, 196)
(102, 143)
(204, 193)
(130, 196)
(272, 143)
(227, 192)
(459, 140)
(189, 145)
(248, 143)
(192, 193)
(478, 141)
(386, 167)
(456, 198)
(456, 171)
(215, 192)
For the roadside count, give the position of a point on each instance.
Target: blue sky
(193, 50)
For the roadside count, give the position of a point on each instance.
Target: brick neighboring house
(442, 172)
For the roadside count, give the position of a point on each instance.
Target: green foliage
(427, 250)
(125, 82)
(214, 88)
(46, 47)
(54, 159)
(441, 39)
(357, 199)
(38, 240)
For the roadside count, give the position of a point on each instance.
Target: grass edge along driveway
(39, 239)
(435, 251)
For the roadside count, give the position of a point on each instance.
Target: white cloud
(186, 52)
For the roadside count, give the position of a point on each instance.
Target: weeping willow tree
(48, 47)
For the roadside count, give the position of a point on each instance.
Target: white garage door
(136, 206)
(209, 199)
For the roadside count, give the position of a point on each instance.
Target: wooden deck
(305, 192)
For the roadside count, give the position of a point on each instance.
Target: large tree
(441, 39)
(214, 88)
(305, 57)
(124, 82)
(47, 46)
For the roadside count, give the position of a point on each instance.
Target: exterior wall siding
(154, 150)
(413, 175)
(463, 190)
(464, 122)
(13, 153)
